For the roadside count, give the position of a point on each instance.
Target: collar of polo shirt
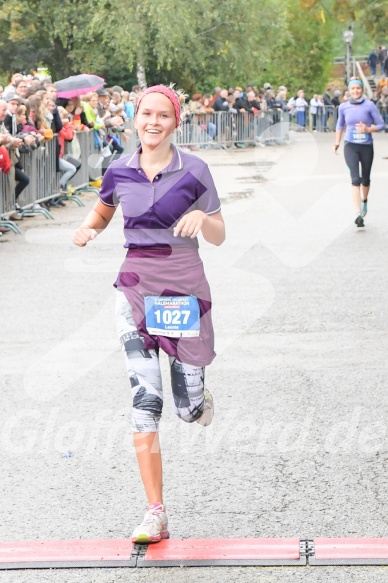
(174, 166)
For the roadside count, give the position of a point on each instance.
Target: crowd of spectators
(378, 60)
(268, 102)
(31, 115)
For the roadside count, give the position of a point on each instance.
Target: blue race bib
(358, 137)
(172, 316)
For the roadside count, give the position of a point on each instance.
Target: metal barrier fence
(225, 128)
(40, 167)
(7, 194)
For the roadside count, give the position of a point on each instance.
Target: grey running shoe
(208, 410)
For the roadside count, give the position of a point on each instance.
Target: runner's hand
(83, 235)
(335, 148)
(190, 224)
(361, 128)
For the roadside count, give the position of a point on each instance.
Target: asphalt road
(298, 446)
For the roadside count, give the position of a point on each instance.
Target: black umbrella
(78, 85)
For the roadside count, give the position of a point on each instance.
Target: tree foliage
(304, 57)
(194, 43)
(372, 15)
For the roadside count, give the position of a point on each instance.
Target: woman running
(163, 299)
(361, 118)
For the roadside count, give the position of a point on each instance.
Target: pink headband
(168, 93)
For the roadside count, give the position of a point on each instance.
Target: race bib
(172, 316)
(359, 137)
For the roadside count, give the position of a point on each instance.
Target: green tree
(194, 43)
(303, 58)
(372, 16)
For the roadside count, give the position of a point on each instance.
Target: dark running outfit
(359, 146)
(159, 264)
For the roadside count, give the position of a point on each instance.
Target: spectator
(375, 97)
(24, 125)
(221, 103)
(217, 93)
(113, 123)
(382, 83)
(18, 141)
(103, 110)
(36, 112)
(291, 105)
(5, 137)
(46, 82)
(129, 104)
(260, 98)
(74, 107)
(195, 105)
(245, 103)
(300, 107)
(34, 85)
(67, 133)
(10, 89)
(281, 98)
(316, 106)
(372, 62)
(21, 88)
(209, 110)
(198, 107)
(382, 106)
(137, 90)
(90, 104)
(381, 56)
(328, 109)
(48, 107)
(116, 106)
(51, 91)
(336, 99)
(320, 113)
(273, 106)
(385, 67)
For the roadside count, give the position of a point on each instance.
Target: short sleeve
(108, 186)
(207, 197)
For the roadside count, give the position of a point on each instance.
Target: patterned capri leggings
(143, 369)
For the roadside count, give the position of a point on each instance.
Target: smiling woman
(163, 298)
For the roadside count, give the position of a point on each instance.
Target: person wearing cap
(361, 118)
(163, 298)
(111, 121)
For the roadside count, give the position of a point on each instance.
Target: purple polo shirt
(152, 209)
